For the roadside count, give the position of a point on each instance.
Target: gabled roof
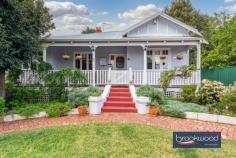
(120, 35)
(190, 28)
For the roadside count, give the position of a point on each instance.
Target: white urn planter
(141, 105)
(95, 105)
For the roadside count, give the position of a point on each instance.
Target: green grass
(101, 141)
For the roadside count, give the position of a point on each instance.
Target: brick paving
(176, 124)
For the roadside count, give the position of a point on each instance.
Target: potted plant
(95, 103)
(154, 109)
(179, 56)
(78, 97)
(82, 109)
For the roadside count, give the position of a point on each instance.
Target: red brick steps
(119, 100)
(118, 109)
(128, 99)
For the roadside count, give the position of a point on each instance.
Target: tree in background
(23, 24)
(88, 30)
(221, 51)
(185, 12)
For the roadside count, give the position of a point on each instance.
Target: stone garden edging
(211, 117)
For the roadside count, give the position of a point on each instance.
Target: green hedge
(53, 109)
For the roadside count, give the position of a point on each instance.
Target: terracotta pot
(82, 110)
(154, 111)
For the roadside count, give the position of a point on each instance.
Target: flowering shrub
(228, 99)
(209, 92)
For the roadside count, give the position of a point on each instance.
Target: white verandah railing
(116, 77)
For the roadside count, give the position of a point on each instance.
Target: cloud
(69, 18)
(231, 8)
(140, 12)
(61, 8)
(111, 26)
(230, 1)
(102, 13)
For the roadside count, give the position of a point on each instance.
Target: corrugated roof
(92, 36)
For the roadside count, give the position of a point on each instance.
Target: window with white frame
(85, 63)
(157, 59)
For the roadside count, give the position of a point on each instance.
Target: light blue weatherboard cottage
(138, 54)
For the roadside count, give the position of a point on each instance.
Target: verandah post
(144, 65)
(109, 75)
(44, 53)
(198, 63)
(93, 48)
(130, 74)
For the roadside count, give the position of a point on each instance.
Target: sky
(72, 16)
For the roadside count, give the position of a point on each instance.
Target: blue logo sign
(196, 139)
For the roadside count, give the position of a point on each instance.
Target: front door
(117, 61)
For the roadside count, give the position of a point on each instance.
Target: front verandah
(139, 64)
(120, 77)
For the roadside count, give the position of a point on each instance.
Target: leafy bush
(79, 96)
(2, 106)
(166, 78)
(186, 107)
(13, 75)
(30, 109)
(167, 111)
(152, 104)
(53, 109)
(186, 71)
(153, 93)
(188, 93)
(57, 93)
(23, 94)
(56, 82)
(228, 99)
(65, 74)
(57, 109)
(209, 92)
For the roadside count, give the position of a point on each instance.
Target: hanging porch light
(66, 57)
(78, 57)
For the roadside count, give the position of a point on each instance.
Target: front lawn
(103, 140)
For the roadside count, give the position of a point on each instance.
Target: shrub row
(213, 95)
(53, 109)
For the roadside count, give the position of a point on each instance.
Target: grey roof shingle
(92, 36)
